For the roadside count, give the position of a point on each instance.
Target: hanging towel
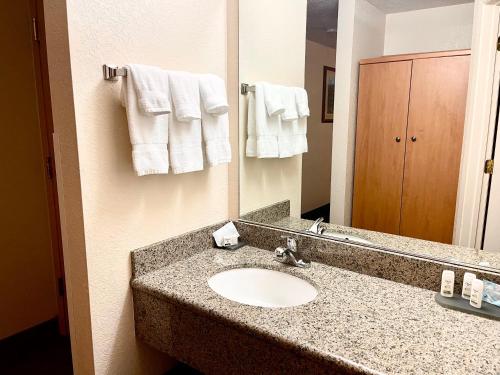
(186, 154)
(300, 126)
(273, 99)
(148, 134)
(289, 119)
(185, 92)
(152, 90)
(302, 102)
(251, 146)
(289, 103)
(263, 130)
(214, 119)
(213, 94)
(299, 143)
(215, 131)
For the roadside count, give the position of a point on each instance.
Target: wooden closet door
(384, 90)
(436, 120)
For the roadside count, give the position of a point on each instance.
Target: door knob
(398, 139)
(413, 139)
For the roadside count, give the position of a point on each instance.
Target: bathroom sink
(341, 236)
(262, 287)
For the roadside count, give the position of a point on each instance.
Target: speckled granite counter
(278, 215)
(357, 324)
(410, 245)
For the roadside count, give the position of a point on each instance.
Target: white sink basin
(262, 287)
(349, 237)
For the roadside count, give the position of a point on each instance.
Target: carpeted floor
(182, 369)
(39, 350)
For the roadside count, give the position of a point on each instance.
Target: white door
(492, 230)
(491, 239)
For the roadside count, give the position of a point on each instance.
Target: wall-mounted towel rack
(246, 88)
(112, 72)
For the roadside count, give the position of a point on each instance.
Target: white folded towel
(273, 99)
(186, 153)
(300, 126)
(213, 94)
(302, 102)
(251, 146)
(215, 131)
(299, 143)
(289, 118)
(292, 139)
(152, 89)
(263, 130)
(214, 119)
(148, 134)
(185, 92)
(289, 102)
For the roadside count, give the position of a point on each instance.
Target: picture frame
(328, 97)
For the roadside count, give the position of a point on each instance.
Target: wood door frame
(478, 129)
(40, 61)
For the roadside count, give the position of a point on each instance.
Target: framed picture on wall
(328, 94)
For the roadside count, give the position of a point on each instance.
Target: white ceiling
(396, 6)
(322, 15)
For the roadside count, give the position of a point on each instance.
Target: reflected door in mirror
(408, 144)
(384, 90)
(433, 148)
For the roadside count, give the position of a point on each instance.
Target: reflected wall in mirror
(401, 165)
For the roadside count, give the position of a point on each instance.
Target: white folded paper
(227, 231)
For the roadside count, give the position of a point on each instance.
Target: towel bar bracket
(112, 72)
(246, 88)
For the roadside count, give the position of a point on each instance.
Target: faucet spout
(287, 255)
(316, 227)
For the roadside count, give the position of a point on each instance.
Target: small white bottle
(467, 284)
(447, 283)
(476, 293)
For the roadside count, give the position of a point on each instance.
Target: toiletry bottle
(467, 284)
(447, 283)
(476, 293)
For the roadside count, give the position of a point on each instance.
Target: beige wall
(27, 281)
(426, 30)
(316, 164)
(121, 211)
(360, 35)
(272, 48)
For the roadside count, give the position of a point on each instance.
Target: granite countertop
(372, 325)
(401, 243)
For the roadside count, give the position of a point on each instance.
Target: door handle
(413, 139)
(398, 139)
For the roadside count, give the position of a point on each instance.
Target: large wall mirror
(359, 121)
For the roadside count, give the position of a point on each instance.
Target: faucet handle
(291, 243)
(280, 254)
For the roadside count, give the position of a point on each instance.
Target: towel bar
(246, 88)
(112, 72)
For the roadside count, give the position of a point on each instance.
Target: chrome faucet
(317, 227)
(288, 255)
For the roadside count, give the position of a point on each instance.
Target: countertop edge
(307, 351)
